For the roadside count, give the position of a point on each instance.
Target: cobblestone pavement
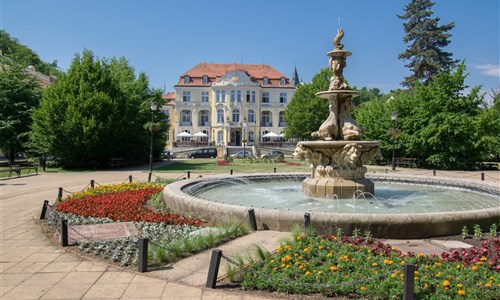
(32, 268)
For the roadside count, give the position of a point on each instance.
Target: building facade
(229, 104)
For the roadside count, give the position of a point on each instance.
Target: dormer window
(186, 79)
(265, 80)
(282, 81)
(205, 79)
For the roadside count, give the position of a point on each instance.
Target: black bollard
(482, 176)
(142, 265)
(189, 174)
(64, 233)
(307, 220)
(251, 217)
(433, 172)
(149, 176)
(231, 172)
(274, 170)
(409, 282)
(92, 183)
(44, 209)
(60, 194)
(130, 178)
(213, 270)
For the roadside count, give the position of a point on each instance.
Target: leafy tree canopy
(305, 112)
(437, 123)
(95, 112)
(19, 94)
(24, 56)
(426, 40)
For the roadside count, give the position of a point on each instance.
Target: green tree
(305, 113)
(24, 56)
(93, 113)
(19, 94)
(441, 123)
(427, 38)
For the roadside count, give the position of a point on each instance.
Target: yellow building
(229, 104)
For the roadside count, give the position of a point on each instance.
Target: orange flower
(461, 292)
(446, 283)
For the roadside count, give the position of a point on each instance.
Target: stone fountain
(337, 160)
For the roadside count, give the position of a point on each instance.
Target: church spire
(295, 78)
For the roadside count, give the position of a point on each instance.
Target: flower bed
(355, 268)
(123, 202)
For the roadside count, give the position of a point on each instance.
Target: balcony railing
(187, 123)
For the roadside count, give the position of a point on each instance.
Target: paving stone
(173, 290)
(27, 291)
(145, 290)
(116, 277)
(106, 291)
(67, 291)
(450, 245)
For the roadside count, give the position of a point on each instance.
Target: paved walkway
(31, 268)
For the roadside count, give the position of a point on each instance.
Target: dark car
(204, 153)
(273, 154)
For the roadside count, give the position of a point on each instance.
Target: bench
(18, 166)
(118, 162)
(408, 162)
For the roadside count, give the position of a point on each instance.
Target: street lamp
(394, 116)
(153, 107)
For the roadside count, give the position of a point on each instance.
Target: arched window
(186, 118)
(236, 115)
(251, 116)
(204, 118)
(205, 79)
(220, 115)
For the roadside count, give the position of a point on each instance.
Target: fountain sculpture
(337, 161)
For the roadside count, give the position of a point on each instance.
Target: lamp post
(394, 116)
(153, 107)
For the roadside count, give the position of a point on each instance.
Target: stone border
(396, 226)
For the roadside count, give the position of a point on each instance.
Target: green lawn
(238, 166)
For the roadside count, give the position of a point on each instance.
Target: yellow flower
(374, 264)
(329, 254)
(279, 249)
(461, 292)
(483, 258)
(402, 263)
(283, 259)
(308, 273)
(474, 268)
(287, 247)
(306, 249)
(320, 272)
(426, 285)
(459, 285)
(388, 262)
(446, 283)
(333, 268)
(363, 288)
(420, 254)
(488, 285)
(394, 275)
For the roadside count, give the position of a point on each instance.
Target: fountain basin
(384, 225)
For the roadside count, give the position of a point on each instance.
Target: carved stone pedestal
(337, 167)
(341, 188)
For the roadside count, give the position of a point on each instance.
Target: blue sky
(167, 38)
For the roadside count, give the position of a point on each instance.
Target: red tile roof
(170, 97)
(215, 71)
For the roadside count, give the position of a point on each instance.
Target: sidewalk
(31, 268)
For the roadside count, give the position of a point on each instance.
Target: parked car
(273, 154)
(241, 154)
(204, 153)
(167, 154)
